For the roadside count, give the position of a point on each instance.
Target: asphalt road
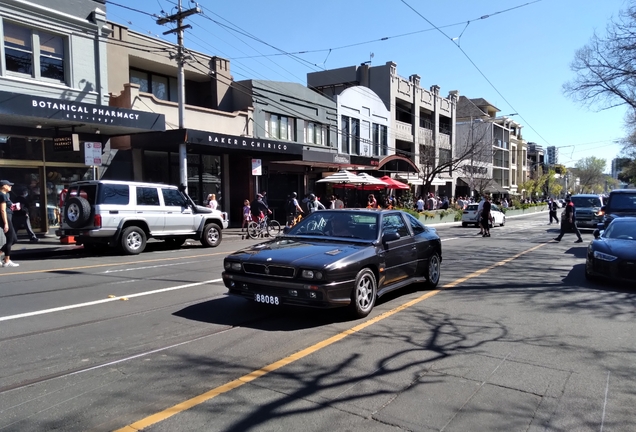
(515, 340)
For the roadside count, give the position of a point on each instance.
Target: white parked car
(469, 217)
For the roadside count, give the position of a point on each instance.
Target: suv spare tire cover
(77, 212)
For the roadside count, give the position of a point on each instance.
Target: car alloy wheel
(364, 293)
(133, 240)
(434, 271)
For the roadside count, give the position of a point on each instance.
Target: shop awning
(46, 114)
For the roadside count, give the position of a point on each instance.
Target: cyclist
(293, 209)
(258, 208)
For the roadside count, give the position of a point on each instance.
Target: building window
(162, 87)
(279, 127)
(350, 135)
(380, 140)
(36, 53)
(314, 133)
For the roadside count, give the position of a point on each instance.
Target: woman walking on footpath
(6, 212)
(485, 217)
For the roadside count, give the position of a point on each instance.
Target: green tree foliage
(590, 173)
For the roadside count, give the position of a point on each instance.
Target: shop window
(35, 53)
(380, 140)
(20, 148)
(279, 127)
(350, 141)
(314, 133)
(161, 86)
(62, 156)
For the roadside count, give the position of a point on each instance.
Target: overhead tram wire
(476, 67)
(132, 9)
(262, 96)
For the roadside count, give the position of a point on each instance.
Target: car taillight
(97, 221)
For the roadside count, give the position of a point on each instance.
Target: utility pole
(181, 61)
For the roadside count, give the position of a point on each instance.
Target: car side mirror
(597, 233)
(390, 236)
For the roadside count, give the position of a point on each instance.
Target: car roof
(621, 191)
(120, 182)
(626, 219)
(587, 195)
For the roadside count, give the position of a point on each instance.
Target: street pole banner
(257, 167)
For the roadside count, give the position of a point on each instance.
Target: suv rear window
(113, 194)
(622, 202)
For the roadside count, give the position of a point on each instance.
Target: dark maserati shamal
(337, 258)
(612, 253)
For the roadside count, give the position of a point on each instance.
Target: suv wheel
(133, 240)
(77, 211)
(211, 236)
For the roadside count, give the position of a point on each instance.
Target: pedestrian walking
(420, 204)
(480, 208)
(212, 202)
(552, 208)
(372, 202)
(21, 216)
(337, 203)
(569, 224)
(247, 214)
(6, 212)
(485, 216)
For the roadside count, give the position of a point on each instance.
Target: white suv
(126, 214)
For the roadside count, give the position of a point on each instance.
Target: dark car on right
(621, 203)
(612, 253)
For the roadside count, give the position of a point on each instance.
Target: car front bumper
(291, 292)
(619, 270)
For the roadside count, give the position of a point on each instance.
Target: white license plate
(267, 299)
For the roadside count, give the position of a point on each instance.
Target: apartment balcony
(444, 141)
(425, 136)
(403, 131)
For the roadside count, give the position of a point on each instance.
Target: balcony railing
(403, 131)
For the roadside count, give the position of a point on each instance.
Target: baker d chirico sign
(58, 109)
(244, 143)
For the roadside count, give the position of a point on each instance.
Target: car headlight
(229, 265)
(311, 274)
(604, 257)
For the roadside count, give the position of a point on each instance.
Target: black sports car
(612, 254)
(336, 258)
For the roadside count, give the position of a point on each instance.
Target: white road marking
(108, 300)
(452, 238)
(605, 402)
(151, 267)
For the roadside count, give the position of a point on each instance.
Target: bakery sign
(244, 143)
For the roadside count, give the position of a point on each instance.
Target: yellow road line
(197, 400)
(110, 265)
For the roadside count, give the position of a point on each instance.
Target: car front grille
(269, 270)
(627, 270)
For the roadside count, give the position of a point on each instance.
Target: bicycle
(271, 228)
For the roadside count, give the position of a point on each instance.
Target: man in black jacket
(569, 224)
(552, 207)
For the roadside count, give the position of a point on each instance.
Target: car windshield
(338, 223)
(620, 229)
(583, 202)
(472, 207)
(622, 202)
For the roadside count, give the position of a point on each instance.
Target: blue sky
(523, 48)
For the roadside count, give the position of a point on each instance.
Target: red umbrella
(394, 184)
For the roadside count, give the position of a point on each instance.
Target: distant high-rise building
(552, 156)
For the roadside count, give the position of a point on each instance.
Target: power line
(132, 9)
(476, 67)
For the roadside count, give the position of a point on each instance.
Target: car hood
(588, 210)
(625, 249)
(299, 252)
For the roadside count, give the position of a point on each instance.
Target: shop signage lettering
(269, 145)
(84, 109)
(63, 144)
(341, 159)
